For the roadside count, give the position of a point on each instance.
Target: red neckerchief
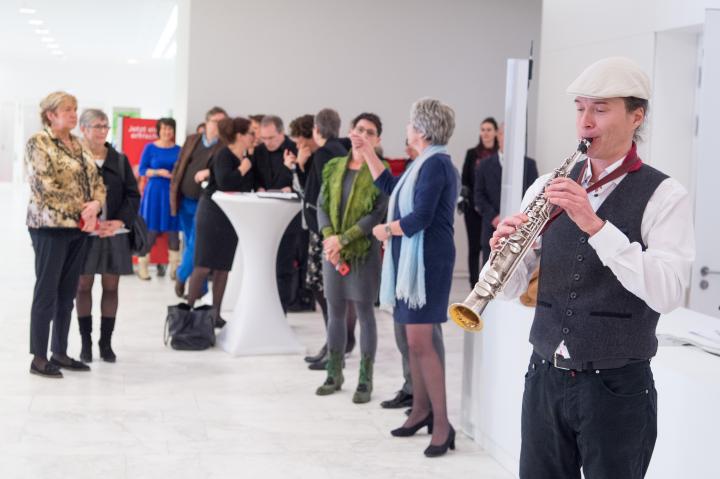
(630, 164)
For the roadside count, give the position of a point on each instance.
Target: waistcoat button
(569, 312)
(579, 257)
(565, 330)
(576, 276)
(573, 295)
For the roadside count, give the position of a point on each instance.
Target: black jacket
(488, 183)
(269, 168)
(331, 149)
(123, 198)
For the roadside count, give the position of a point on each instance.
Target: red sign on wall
(136, 133)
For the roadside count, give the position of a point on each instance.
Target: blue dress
(155, 204)
(434, 200)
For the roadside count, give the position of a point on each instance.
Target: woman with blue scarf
(417, 268)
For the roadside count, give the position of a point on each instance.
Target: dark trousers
(473, 226)
(604, 421)
(59, 257)
(287, 261)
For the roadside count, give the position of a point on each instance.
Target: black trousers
(473, 226)
(604, 421)
(59, 257)
(287, 261)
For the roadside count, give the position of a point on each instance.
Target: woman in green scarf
(350, 205)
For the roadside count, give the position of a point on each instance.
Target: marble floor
(159, 412)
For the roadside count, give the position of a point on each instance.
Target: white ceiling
(107, 30)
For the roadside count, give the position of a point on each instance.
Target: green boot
(335, 378)
(365, 383)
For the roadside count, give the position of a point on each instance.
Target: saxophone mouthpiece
(584, 145)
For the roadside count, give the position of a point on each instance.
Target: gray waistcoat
(580, 300)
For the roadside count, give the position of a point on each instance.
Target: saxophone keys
(515, 248)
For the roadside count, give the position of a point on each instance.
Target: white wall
(290, 58)
(96, 84)
(577, 33)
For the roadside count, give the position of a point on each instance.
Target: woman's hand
(163, 173)
(202, 175)
(289, 159)
(332, 246)
(89, 215)
(245, 166)
(380, 232)
(505, 228)
(108, 228)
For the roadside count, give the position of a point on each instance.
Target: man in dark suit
(272, 174)
(488, 183)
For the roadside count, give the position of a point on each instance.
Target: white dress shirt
(660, 274)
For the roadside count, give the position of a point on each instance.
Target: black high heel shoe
(435, 451)
(410, 431)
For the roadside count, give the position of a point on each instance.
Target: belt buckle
(555, 364)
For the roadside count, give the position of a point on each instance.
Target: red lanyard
(630, 164)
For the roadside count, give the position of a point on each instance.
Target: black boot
(85, 324)
(107, 325)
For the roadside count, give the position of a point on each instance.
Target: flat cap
(613, 77)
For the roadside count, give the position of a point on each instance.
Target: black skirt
(215, 238)
(108, 255)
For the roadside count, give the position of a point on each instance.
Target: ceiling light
(35, 22)
(132, 61)
(53, 46)
(28, 11)
(167, 34)
(56, 52)
(42, 32)
(47, 39)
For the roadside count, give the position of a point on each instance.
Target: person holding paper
(108, 250)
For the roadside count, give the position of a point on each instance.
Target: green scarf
(360, 203)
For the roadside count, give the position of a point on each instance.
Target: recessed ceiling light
(53, 46)
(132, 61)
(57, 52)
(35, 22)
(42, 32)
(28, 11)
(47, 39)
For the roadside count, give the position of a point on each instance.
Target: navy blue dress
(434, 201)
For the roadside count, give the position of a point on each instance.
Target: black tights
(197, 280)
(108, 300)
(428, 381)
(173, 239)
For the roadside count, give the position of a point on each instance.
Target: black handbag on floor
(190, 329)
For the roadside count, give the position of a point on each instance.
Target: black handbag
(190, 329)
(138, 235)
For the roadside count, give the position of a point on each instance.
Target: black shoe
(107, 326)
(106, 352)
(435, 451)
(85, 323)
(161, 269)
(401, 399)
(48, 371)
(319, 356)
(318, 365)
(410, 431)
(70, 364)
(408, 411)
(219, 322)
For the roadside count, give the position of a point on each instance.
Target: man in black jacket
(271, 174)
(488, 184)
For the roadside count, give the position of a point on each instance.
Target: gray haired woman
(109, 249)
(417, 272)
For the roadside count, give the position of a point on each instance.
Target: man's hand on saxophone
(571, 197)
(506, 227)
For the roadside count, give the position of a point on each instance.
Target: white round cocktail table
(257, 324)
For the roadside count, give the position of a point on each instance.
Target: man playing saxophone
(617, 257)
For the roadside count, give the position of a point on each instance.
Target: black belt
(574, 365)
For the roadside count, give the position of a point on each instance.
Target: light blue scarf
(410, 284)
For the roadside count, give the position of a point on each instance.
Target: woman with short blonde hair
(67, 195)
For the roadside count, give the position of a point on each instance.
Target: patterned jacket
(60, 181)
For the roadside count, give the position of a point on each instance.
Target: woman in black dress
(215, 237)
(109, 252)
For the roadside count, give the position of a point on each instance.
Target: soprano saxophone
(504, 260)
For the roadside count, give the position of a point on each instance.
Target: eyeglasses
(100, 127)
(362, 131)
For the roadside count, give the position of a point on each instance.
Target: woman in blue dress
(156, 164)
(417, 272)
